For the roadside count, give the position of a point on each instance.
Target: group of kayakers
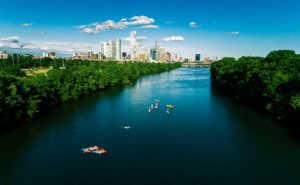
(99, 150)
(152, 107)
(94, 149)
(156, 106)
(169, 108)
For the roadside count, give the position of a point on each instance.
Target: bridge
(193, 64)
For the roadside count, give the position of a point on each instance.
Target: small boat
(168, 111)
(94, 149)
(157, 101)
(127, 127)
(152, 106)
(156, 107)
(149, 110)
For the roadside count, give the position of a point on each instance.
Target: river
(206, 139)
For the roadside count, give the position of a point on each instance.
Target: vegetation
(271, 84)
(23, 97)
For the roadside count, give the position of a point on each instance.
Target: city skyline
(211, 28)
(112, 50)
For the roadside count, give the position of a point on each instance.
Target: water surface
(207, 139)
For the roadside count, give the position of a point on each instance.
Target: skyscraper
(103, 48)
(153, 54)
(133, 38)
(157, 48)
(115, 46)
(112, 49)
(198, 57)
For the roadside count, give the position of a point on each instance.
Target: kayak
(170, 106)
(102, 151)
(86, 150)
(94, 149)
(127, 127)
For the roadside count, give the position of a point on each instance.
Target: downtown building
(111, 50)
(49, 55)
(3, 55)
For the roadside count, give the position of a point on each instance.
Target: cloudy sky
(212, 28)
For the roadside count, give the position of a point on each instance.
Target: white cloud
(13, 39)
(96, 27)
(139, 20)
(89, 31)
(193, 24)
(38, 46)
(27, 24)
(173, 38)
(150, 26)
(109, 24)
(233, 33)
(9, 45)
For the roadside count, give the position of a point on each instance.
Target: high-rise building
(52, 54)
(153, 54)
(133, 38)
(111, 49)
(133, 43)
(142, 57)
(115, 48)
(157, 48)
(198, 57)
(166, 57)
(95, 56)
(45, 54)
(124, 55)
(218, 58)
(118, 50)
(85, 55)
(103, 48)
(162, 52)
(3, 55)
(207, 60)
(49, 55)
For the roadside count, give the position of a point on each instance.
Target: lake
(206, 139)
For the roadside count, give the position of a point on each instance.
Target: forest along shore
(271, 84)
(23, 95)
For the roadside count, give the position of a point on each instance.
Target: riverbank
(23, 98)
(270, 84)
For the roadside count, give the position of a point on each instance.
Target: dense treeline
(271, 84)
(22, 98)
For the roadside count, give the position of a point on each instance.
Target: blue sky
(221, 28)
